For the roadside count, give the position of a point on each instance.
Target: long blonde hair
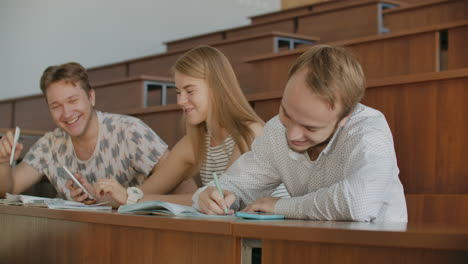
(229, 107)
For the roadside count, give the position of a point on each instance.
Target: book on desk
(159, 208)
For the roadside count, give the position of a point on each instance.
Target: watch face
(135, 192)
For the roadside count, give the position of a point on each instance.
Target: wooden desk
(39, 235)
(351, 242)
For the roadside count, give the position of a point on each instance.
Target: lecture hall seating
(425, 13)
(333, 20)
(417, 75)
(427, 49)
(235, 49)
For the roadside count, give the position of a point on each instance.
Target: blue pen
(215, 178)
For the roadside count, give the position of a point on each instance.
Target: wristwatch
(134, 194)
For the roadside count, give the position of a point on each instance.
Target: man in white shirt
(335, 156)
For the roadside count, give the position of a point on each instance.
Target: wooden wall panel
(283, 251)
(6, 114)
(236, 53)
(41, 240)
(267, 109)
(285, 13)
(433, 208)
(429, 132)
(341, 24)
(33, 113)
(437, 12)
(157, 65)
(120, 96)
(236, 50)
(191, 42)
(457, 48)
(416, 53)
(107, 73)
(285, 4)
(271, 74)
(286, 26)
(400, 55)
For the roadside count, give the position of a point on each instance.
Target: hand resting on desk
(266, 205)
(112, 188)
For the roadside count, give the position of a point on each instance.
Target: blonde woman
(220, 126)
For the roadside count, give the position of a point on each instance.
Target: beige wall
(285, 4)
(35, 34)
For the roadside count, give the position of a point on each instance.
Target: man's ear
(92, 97)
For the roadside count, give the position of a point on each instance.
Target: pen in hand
(220, 191)
(15, 141)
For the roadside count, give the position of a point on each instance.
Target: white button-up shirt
(355, 178)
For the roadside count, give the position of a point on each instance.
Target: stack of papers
(52, 203)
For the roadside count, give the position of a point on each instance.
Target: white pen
(215, 178)
(15, 141)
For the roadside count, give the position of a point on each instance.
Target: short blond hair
(70, 72)
(334, 74)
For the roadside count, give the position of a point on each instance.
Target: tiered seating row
(235, 49)
(316, 8)
(126, 93)
(334, 20)
(414, 51)
(425, 13)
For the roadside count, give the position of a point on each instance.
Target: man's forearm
(6, 179)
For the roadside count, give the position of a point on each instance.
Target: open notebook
(52, 203)
(162, 208)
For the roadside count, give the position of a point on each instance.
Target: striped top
(217, 160)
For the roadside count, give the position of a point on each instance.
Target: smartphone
(259, 215)
(75, 181)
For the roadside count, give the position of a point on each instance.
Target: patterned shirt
(354, 178)
(127, 150)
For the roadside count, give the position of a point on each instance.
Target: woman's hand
(113, 189)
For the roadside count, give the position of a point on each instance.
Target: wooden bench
(6, 113)
(141, 91)
(425, 13)
(413, 51)
(32, 113)
(315, 8)
(363, 18)
(235, 49)
(450, 209)
(331, 21)
(286, 26)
